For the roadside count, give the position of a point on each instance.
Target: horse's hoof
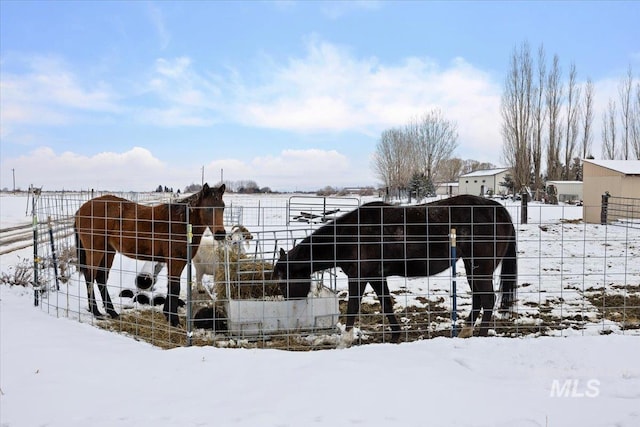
(172, 318)
(96, 313)
(346, 340)
(113, 314)
(466, 332)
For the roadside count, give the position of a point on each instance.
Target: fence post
(53, 253)
(604, 208)
(524, 211)
(454, 305)
(189, 296)
(36, 260)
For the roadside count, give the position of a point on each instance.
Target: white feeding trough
(263, 316)
(252, 301)
(251, 318)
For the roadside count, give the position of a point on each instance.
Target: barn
(482, 182)
(619, 178)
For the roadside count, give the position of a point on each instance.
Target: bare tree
(571, 130)
(587, 119)
(539, 118)
(516, 111)
(635, 124)
(624, 90)
(609, 143)
(553, 101)
(471, 165)
(449, 170)
(393, 158)
(434, 139)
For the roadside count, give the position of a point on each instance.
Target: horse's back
(468, 207)
(100, 213)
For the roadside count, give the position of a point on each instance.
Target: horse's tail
(81, 254)
(509, 275)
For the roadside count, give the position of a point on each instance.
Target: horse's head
(211, 209)
(240, 233)
(294, 277)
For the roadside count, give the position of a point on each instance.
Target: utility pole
(202, 179)
(13, 171)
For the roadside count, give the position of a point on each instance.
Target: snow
(60, 372)
(57, 372)
(627, 167)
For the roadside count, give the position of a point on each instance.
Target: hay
(248, 279)
(151, 326)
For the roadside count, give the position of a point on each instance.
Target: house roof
(484, 172)
(564, 182)
(627, 167)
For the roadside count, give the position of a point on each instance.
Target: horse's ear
(283, 254)
(205, 187)
(222, 188)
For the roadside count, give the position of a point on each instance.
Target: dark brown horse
(109, 224)
(378, 240)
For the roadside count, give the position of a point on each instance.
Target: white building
(565, 191)
(619, 178)
(482, 182)
(447, 189)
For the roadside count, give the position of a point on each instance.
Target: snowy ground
(59, 372)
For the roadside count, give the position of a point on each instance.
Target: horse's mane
(189, 199)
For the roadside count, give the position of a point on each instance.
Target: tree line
(414, 157)
(546, 127)
(547, 120)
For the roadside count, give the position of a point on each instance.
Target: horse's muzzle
(220, 235)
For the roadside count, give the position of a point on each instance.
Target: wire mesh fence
(573, 278)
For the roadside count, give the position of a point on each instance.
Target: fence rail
(620, 210)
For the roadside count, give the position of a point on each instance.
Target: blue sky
(292, 95)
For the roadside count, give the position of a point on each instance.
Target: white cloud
(157, 19)
(50, 94)
(182, 96)
(327, 90)
(138, 169)
(294, 170)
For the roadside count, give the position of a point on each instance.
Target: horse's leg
(356, 290)
(173, 291)
(91, 297)
(484, 288)
(384, 296)
(157, 268)
(199, 275)
(88, 263)
(101, 278)
(467, 330)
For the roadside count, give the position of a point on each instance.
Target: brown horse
(109, 224)
(378, 240)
